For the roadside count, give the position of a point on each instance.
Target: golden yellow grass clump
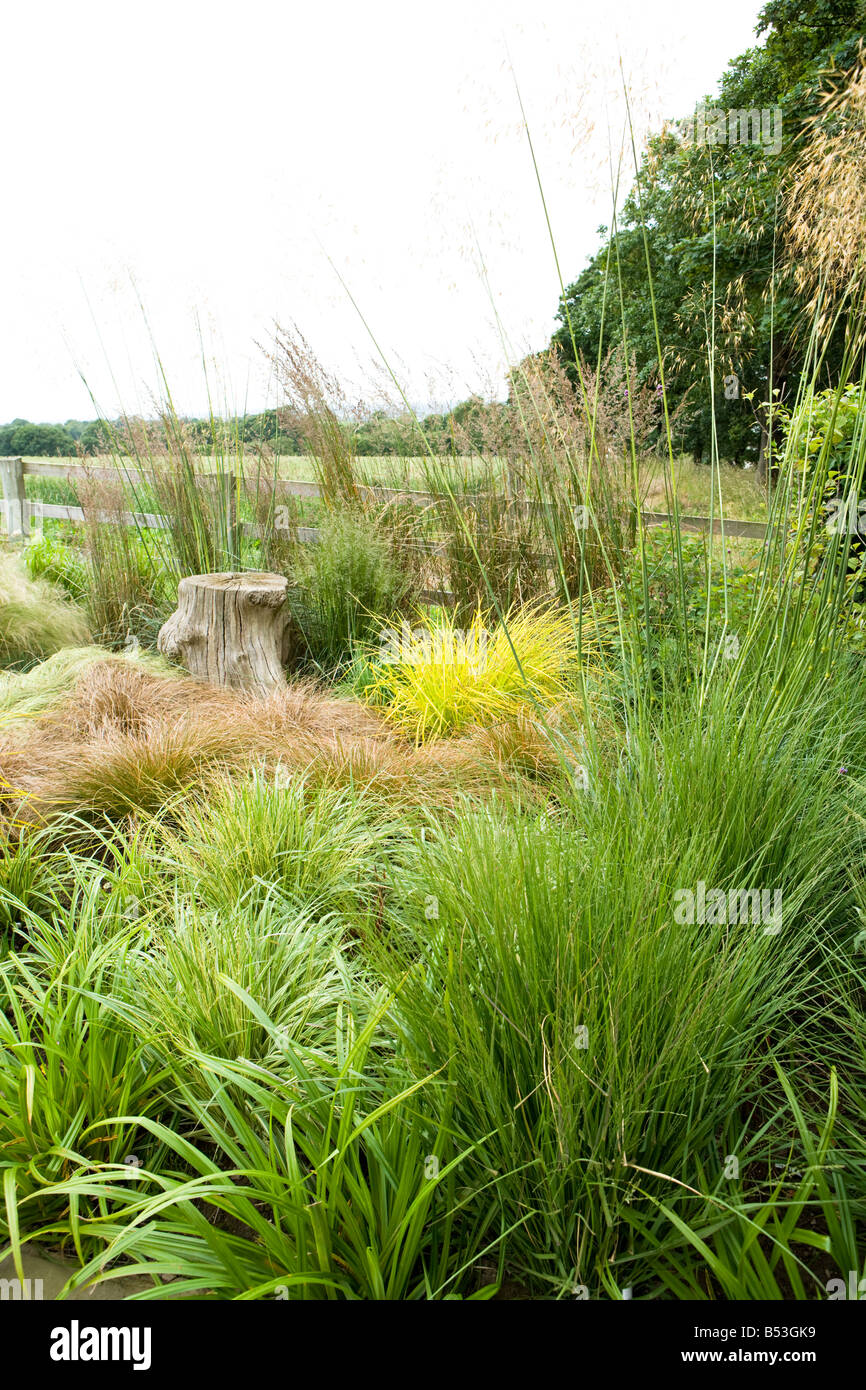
(442, 680)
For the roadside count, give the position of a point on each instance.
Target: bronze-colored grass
(520, 746)
(120, 775)
(404, 776)
(126, 742)
(112, 699)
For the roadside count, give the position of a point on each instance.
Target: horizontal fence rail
(18, 508)
(19, 511)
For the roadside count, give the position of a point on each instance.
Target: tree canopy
(704, 214)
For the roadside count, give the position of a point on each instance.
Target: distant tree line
(28, 440)
(269, 430)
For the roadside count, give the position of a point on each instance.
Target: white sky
(209, 158)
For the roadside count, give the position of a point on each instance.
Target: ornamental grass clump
(36, 619)
(437, 679)
(285, 839)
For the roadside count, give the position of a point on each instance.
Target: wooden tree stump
(230, 629)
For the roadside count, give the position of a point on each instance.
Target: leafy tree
(38, 440)
(706, 217)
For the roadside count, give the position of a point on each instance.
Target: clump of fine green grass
(293, 964)
(255, 839)
(597, 1042)
(36, 619)
(229, 1078)
(26, 880)
(344, 585)
(72, 1050)
(48, 558)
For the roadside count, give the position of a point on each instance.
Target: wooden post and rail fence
(19, 511)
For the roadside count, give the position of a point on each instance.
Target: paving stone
(53, 1273)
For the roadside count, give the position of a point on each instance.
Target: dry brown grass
(126, 742)
(523, 748)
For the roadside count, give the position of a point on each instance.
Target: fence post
(232, 515)
(14, 498)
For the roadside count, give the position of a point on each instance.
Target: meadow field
(743, 496)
